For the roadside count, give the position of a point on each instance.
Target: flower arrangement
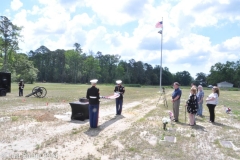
(171, 115)
(165, 121)
(228, 110)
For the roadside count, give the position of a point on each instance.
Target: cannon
(39, 92)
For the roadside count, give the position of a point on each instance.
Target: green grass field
(137, 134)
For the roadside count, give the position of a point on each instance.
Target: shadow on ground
(197, 126)
(78, 121)
(93, 132)
(222, 125)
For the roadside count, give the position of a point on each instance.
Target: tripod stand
(163, 96)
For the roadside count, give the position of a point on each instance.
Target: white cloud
(114, 39)
(94, 24)
(71, 5)
(35, 10)
(95, 39)
(232, 44)
(16, 4)
(195, 43)
(20, 18)
(52, 19)
(194, 13)
(110, 12)
(224, 1)
(30, 42)
(82, 20)
(47, 2)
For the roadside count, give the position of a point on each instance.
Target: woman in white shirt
(212, 101)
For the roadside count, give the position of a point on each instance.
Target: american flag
(159, 25)
(114, 96)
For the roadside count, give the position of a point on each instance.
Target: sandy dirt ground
(35, 137)
(47, 132)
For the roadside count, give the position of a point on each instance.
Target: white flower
(165, 120)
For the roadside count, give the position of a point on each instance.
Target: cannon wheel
(35, 89)
(42, 92)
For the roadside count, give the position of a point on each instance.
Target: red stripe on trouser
(93, 116)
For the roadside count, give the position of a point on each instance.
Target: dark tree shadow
(93, 132)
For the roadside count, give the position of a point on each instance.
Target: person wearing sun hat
(93, 97)
(119, 101)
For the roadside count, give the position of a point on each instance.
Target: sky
(196, 34)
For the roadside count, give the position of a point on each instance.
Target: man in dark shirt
(119, 101)
(93, 96)
(20, 87)
(176, 95)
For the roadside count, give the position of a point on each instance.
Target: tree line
(74, 66)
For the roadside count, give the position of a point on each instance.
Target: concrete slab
(170, 139)
(227, 144)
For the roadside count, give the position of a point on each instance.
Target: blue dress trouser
(119, 103)
(200, 109)
(20, 92)
(93, 115)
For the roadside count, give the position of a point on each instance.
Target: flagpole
(161, 59)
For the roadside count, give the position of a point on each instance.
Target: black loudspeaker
(3, 92)
(5, 82)
(80, 109)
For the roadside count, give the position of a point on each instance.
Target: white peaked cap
(94, 81)
(118, 81)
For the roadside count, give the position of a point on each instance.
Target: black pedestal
(80, 110)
